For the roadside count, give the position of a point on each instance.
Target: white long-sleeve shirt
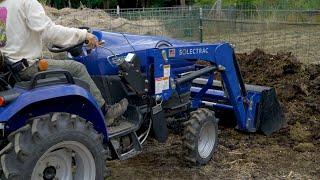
(24, 26)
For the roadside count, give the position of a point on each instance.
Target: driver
(23, 28)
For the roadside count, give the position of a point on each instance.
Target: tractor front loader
(52, 127)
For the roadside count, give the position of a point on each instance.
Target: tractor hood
(121, 43)
(98, 62)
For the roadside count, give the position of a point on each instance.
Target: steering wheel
(57, 49)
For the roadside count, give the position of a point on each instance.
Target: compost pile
(100, 19)
(297, 86)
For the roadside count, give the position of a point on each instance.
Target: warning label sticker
(158, 85)
(165, 83)
(172, 53)
(161, 84)
(166, 71)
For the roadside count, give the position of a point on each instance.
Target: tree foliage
(280, 4)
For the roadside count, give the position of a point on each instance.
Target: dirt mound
(297, 85)
(100, 19)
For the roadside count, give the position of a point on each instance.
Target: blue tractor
(52, 127)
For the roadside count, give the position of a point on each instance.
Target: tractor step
(124, 142)
(124, 128)
(135, 147)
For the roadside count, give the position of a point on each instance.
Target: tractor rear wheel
(200, 137)
(55, 146)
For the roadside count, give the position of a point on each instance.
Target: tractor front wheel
(55, 146)
(200, 136)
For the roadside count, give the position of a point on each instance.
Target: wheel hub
(67, 160)
(207, 139)
(49, 173)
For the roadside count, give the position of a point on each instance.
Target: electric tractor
(52, 127)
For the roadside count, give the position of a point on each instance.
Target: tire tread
(23, 141)
(191, 131)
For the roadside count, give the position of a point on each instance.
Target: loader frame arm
(222, 58)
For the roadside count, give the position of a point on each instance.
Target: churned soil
(298, 89)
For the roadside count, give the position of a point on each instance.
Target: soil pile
(100, 19)
(298, 89)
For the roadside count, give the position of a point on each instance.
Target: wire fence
(271, 29)
(176, 22)
(296, 31)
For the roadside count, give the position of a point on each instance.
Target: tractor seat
(51, 77)
(43, 78)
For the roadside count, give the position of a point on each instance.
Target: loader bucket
(270, 117)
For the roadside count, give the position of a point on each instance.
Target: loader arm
(246, 104)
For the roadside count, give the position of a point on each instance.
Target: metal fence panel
(182, 23)
(247, 28)
(296, 31)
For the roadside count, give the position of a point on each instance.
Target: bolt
(251, 105)
(221, 68)
(173, 85)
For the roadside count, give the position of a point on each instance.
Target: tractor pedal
(135, 150)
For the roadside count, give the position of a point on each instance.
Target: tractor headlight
(116, 61)
(130, 57)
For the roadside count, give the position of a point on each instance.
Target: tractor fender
(71, 99)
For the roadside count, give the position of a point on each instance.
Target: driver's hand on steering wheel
(92, 42)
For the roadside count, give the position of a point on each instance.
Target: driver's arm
(59, 35)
